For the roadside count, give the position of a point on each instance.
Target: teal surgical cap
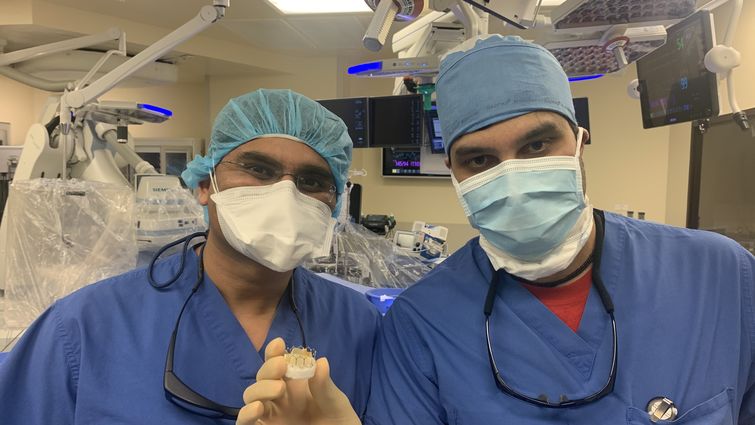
(495, 79)
(276, 113)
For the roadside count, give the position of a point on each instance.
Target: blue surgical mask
(526, 208)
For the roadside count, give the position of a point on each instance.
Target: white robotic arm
(77, 138)
(78, 98)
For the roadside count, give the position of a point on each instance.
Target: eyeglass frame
(332, 190)
(176, 390)
(607, 304)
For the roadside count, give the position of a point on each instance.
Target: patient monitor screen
(353, 112)
(674, 85)
(396, 121)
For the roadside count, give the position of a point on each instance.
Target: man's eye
(313, 183)
(260, 171)
(477, 162)
(535, 147)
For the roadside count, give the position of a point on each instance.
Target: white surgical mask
(276, 225)
(532, 214)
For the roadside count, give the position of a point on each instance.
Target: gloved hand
(273, 400)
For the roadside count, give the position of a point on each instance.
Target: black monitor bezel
(368, 129)
(371, 112)
(705, 18)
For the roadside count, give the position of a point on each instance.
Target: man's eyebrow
(545, 129)
(314, 169)
(250, 156)
(473, 151)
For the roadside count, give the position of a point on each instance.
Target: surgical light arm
(206, 17)
(61, 46)
(723, 58)
(72, 100)
(521, 14)
(7, 59)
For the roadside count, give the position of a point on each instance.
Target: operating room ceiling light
(306, 7)
(593, 13)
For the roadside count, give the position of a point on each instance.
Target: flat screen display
(404, 162)
(582, 111)
(353, 112)
(674, 84)
(434, 133)
(401, 162)
(396, 121)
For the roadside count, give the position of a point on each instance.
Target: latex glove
(274, 400)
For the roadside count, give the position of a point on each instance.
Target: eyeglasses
(542, 401)
(318, 186)
(184, 396)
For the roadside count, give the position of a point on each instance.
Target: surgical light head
(493, 79)
(275, 113)
(386, 11)
(612, 52)
(598, 14)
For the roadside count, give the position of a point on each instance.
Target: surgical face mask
(532, 214)
(275, 225)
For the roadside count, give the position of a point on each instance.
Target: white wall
(17, 108)
(318, 80)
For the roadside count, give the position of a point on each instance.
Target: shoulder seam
(68, 349)
(747, 294)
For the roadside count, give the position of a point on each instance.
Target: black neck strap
(561, 281)
(594, 259)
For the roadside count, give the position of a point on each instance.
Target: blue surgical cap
(496, 79)
(276, 113)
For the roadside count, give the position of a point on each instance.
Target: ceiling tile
(331, 32)
(269, 34)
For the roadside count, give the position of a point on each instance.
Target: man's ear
(447, 161)
(585, 138)
(204, 192)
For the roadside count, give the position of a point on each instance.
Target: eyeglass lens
(310, 182)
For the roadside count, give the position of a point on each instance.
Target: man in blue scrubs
(272, 179)
(558, 313)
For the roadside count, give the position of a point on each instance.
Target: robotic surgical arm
(79, 136)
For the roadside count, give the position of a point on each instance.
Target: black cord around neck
(587, 263)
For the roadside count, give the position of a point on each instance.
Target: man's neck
(582, 256)
(248, 287)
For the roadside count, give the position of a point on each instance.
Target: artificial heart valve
(532, 214)
(274, 225)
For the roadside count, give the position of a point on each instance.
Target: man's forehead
(517, 128)
(282, 150)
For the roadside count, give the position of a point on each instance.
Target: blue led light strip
(364, 67)
(585, 78)
(153, 108)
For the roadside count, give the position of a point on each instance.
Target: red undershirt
(567, 302)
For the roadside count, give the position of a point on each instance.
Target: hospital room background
(629, 168)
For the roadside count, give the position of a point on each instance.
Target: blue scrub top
(686, 327)
(98, 355)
